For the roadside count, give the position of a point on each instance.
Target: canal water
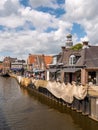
(20, 109)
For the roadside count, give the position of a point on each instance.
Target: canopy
(54, 70)
(38, 71)
(16, 69)
(72, 70)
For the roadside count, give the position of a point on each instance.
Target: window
(54, 60)
(72, 60)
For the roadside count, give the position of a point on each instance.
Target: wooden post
(86, 106)
(84, 76)
(62, 76)
(97, 78)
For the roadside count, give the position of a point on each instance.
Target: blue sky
(41, 26)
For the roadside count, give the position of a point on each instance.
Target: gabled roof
(40, 59)
(87, 57)
(91, 56)
(9, 59)
(64, 56)
(48, 60)
(31, 59)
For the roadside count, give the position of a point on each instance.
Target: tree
(77, 47)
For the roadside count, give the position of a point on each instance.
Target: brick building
(7, 64)
(38, 62)
(80, 66)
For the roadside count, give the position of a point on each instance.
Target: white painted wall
(47, 75)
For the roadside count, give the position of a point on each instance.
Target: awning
(53, 70)
(36, 71)
(16, 69)
(71, 70)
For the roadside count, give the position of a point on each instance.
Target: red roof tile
(47, 59)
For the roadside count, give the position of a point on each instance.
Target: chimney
(63, 48)
(85, 44)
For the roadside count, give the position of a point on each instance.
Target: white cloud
(12, 21)
(8, 7)
(85, 39)
(84, 13)
(81, 9)
(39, 20)
(21, 43)
(2, 2)
(63, 28)
(9, 14)
(24, 42)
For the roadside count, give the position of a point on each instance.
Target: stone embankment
(79, 97)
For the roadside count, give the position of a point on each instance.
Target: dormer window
(72, 60)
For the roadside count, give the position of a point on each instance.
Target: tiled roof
(88, 57)
(40, 58)
(64, 58)
(31, 59)
(48, 60)
(91, 56)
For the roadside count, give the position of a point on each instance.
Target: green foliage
(77, 47)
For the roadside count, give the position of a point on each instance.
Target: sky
(40, 26)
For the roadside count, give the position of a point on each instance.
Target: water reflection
(21, 109)
(79, 120)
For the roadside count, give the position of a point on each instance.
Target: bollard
(74, 104)
(86, 106)
(94, 108)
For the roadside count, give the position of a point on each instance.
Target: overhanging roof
(71, 70)
(38, 71)
(54, 70)
(16, 69)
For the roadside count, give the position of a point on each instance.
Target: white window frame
(72, 60)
